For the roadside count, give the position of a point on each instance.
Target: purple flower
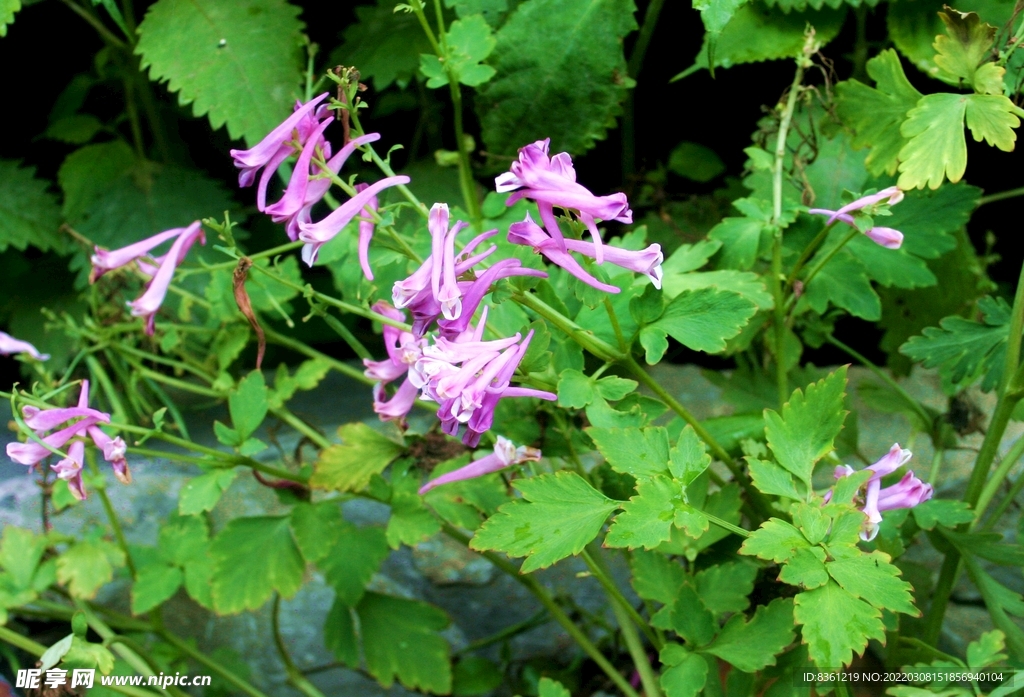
(275, 148)
(474, 292)
(366, 228)
(149, 302)
(9, 345)
(886, 237)
(403, 348)
(400, 404)
(104, 261)
(552, 182)
(70, 469)
(505, 455)
(646, 261)
(907, 493)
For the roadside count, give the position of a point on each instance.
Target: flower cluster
(9, 346)
(82, 422)
(907, 493)
(303, 133)
(159, 269)
(885, 236)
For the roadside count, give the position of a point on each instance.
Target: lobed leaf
(29, 214)
(401, 640)
(348, 466)
(835, 624)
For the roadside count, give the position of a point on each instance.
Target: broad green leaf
(316, 528)
(812, 521)
(465, 503)
(635, 451)
(692, 160)
(87, 172)
(647, 518)
(751, 646)
(401, 640)
(248, 404)
(198, 578)
(872, 578)
(740, 239)
(716, 15)
(745, 283)
(87, 565)
(966, 44)
(183, 538)
(656, 577)
(76, 129)
(688, 458)
(809, 424)
(936, 148)
(254, 557)
(20, 552)
(475, 675)
(242, 67)
(987, 650)
(835, 624)
(85, 654)
(362, 453)
(947, 512)
(411, 521)
(689, 617)
(776, 540)
(575, 390)
(8, 8)
(686, 673)
(806, 568)
(155, 584)
(553, 57)
(929, 218)
(615, 388)
(307, 376)
(771, 479)
(203, 492)
(340, 634)
(702, 320)
(725, 587)
(986, 545)
(29, 214)
(469, 41)
(557, 516)
(992, 118)
(383, 45)
(492, 10)
(963, 348)
(891, 267)
(547, 687)
(354, 557)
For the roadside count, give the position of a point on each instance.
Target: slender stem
(779, 323)
(96, 24)
(346, 334)
(996, 480)
(805, 255)
(600, 573)
(933, 473)
(466, 181)
(633, 644)
(300, 347)
(990, 447)
(213, 665)
(860, 48)
(918, 408)
(295, 676)
(726, 525)
(301, 426)
(1003, 504)
(643, 40)
(273, 251)
(841, 690)
(940, 597)
(133, 118)
(1013, 340)
(584, 338)
(97, 370)
(829, 255)
(1002, 195)
(505, 634)
(169, 362)
(614, 319)
(115, 522)
(554, 610)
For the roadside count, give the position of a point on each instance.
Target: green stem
(643, 39)
(169, 362)
(1013, 340)
(295, 676)
(301, 426)
(466, 181)
(1002, 195)
(940, 597)
(298, 346)
(918, 408)
(115, 522)
(1003, 504)
(505, 634)
(96, 24)
(273, 251)
(600, 573)
(828, 256)
(554, 610)
(614, 319)
(98, 372)
(990, 447)
(779, 323)
(726, 525)
(805, 255)
(994, 482)
(933, 473)
(216, 667)
(584, 338)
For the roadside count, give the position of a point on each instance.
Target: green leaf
(154, 584)
(965, 349)
(354, 557)
(656, 577)
(844, 282)
(183, 538)
(469, 41)
(411, 521)
(29, 214)
(316, 528)
(400, 639)
(85, 654)
(740, 239)
(1000, 602)
(724, 587)
(615, 388)
(88, 565)
(242, 67)
(808, 426)
(965, 45)
(751, 646)
(203, 492)
(474, 675)
(8, 8)
(307, 376)
(987, 650)
(553, 57)
(88, 172)
(692, 160)
(362, 453)
(715, 14)
(647, 518)
(635, 451)
(992, 118)
(248, 404)
(688, 458)
(947, 512)
(872, 578)
(558, 515)
(776, 540)
(76, 129)
(689, 618)
(687, 672)
(835, 624)
(702, 319)
(769, 478)
(547, 687)
(383, 44)
(254, 557)
(745, 283)
(340, 634)
(875, 114)
(20, 553)
(936, 148)
(806, 568)
(575, 390)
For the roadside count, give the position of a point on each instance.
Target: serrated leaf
(203, 492)
(992, 118)
(401, 640)
(254, 558)
(354, 557)
(844, 282)
(558, 516)
(553, 56)
(316, 528)
(383, 45)
(340, 634)
(307, 376)
(740, 239)
(872, 578)
(875, 114)
(947, 512)
(776, 540)
(771, 479)
(805, 568)
(647, 518)
(183, 538)
(547, 687)
(808, 426)
(88, 565)
(20, 553)
(687, 672)
(715, 14)
(688, 617)
(724, 587)
(85, 654)
(615, 388)
(936, 148)
(88, 172)
(639, 452)
(242, 67)
(8, 8)
(469, 41)
(744, 283)
(966, 43)
(248, 404)
(928, 218)
(835, 625)
(703, 319)
(575, 390)
(655, 576)
(362, 453)
(751, 646)
(154, 584)
(987, 650)
(29, 214)
(688, 458)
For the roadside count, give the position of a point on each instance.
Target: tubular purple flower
(646, 261)
(114, 451)
(46, 419)
(70, 469)
(476, 290)
(442, 253)
(317, 234)
(400, 404)
(366, 228)
(274, 148)
(32, 453)
(890, 462)
(403, 348)
(295, 193)
(530, 234)
(104, 261)
(149, 302)
(884, 236)
(9, 346)
(505, 454)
